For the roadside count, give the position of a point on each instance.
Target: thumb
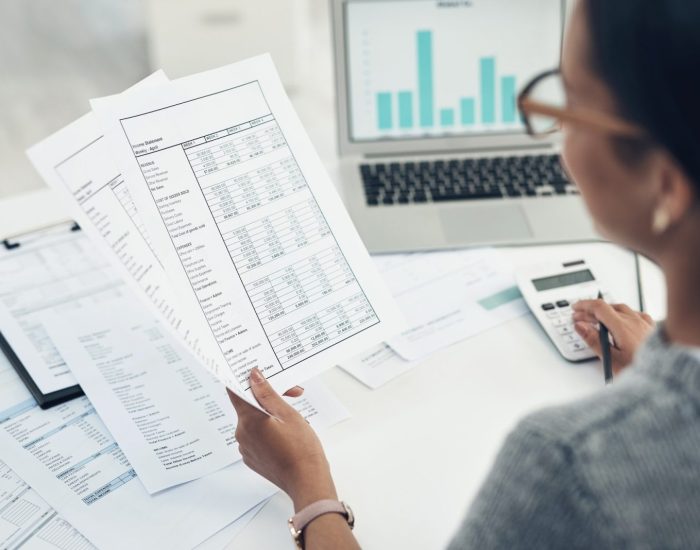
(266, 396)
(590, 335)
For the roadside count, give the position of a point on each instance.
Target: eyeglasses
(542, 104)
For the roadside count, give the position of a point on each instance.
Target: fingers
(268, 398)
(296, 391)
(600, 311)
(590, 335)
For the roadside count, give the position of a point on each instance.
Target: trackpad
(485, 223)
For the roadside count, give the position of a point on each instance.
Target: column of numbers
(273, 236)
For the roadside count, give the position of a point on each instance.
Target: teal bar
(466, 105)
(424, 44)
(405, 110)
(500, 298)
(384, 121)
(488, 90)
(508, 98)
(447, 117)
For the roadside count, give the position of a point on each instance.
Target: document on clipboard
(58, 270)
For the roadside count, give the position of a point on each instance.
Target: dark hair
(648, 53)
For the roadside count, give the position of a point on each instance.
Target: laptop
(434, 154)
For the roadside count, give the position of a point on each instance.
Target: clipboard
(44, 400)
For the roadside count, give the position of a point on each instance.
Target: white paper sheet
(172, 419)
(226, 536)
(68, 456)
(26, 520)
(247, 224)
(449, 296)
(51, 271)
(76, 161)
(377, 366)
(148, 391)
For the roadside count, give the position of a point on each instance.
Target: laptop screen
(444, 68)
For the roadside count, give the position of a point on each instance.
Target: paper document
(50, 271)
(172, 419)
(449, 296)
(77, 162)
(68, 455)
(247, 224)
(70, 459)
(148, 392)
(224, 537)
(27, 521)
(376, 366)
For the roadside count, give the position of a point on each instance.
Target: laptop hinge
(519, 148)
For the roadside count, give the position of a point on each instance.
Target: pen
(604, 335)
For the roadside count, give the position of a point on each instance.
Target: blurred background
(55, 56)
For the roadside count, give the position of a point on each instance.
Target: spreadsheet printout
(77, 162)
(173, 420)
(70, 458)
(57, 270)
(26, 519)
(248, 224)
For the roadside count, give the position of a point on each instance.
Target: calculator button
(561, 322)
(568, 338)
(566, 329)
(576, 346)
(563, 303)
(547, 307)
(553, 314)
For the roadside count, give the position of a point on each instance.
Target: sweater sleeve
(532, 498)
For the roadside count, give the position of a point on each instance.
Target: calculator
(550, 290)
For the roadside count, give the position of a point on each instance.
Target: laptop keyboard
(465, 179)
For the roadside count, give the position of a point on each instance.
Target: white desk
(415, 451)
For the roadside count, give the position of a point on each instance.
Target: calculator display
(565, 279)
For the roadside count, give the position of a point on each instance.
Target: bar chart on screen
(423, 97)
(423, 68)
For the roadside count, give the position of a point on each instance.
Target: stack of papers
(445, 297)
(213, 242)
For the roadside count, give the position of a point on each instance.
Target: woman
(622, 468)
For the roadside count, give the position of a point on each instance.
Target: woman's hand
(628, 328)
(282, 448)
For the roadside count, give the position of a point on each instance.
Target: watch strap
(301, 519)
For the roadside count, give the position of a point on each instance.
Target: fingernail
(581, 329)
(256, 376)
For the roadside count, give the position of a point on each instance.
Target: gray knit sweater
(620, 469)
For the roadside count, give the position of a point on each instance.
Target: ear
(675, 193)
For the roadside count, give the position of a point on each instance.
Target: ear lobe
(676, 192)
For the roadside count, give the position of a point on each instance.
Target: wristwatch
(301, 519)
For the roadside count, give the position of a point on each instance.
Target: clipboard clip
(12, 244)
